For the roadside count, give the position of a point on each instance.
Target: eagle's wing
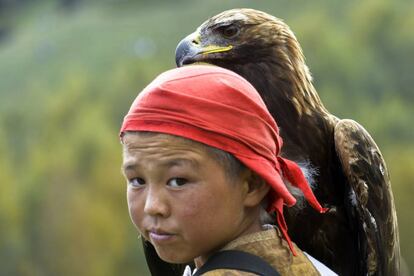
(370, 199)
(157, 266)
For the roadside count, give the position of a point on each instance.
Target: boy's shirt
(271, 247)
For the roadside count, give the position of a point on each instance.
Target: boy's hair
(232, 166)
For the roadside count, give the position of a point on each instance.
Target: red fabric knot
(292, 172)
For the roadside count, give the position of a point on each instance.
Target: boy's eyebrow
(132, 165)
(179, 162)
(129, 166)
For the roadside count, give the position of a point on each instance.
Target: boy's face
(180, 199)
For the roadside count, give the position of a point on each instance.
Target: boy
(201, 158)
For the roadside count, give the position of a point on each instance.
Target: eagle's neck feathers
(285, 84)
(295, 80)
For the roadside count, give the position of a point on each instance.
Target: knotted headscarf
(219, 108)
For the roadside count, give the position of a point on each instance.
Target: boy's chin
(175, 257)
(177, 260)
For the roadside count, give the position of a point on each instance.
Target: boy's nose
(156, 203)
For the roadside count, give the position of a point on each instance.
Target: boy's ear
(255, 188)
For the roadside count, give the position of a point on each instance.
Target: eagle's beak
(190, 50)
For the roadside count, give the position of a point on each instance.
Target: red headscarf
(219, 108)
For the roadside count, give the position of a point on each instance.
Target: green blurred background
(69, 71)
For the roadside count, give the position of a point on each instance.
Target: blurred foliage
(69, 71)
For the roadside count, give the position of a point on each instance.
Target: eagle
(359, 233)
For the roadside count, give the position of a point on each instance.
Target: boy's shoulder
(272, 248)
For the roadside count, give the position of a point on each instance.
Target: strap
(238, 260)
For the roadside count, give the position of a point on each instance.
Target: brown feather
(371, 194)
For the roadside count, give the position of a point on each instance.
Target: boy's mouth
(159, 235)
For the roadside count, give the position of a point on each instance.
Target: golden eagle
(359, 234)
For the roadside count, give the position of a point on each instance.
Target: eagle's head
(240, 36)
(259, 47)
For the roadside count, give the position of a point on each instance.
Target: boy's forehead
(142, 140)
(162, 147)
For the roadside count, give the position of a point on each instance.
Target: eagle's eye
(228, 31)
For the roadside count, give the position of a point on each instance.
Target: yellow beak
(215, 49)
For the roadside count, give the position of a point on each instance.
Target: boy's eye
(136, 182)
(177, 182)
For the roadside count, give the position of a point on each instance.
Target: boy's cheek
(133, 217)
(193, 205)
(135, 213)
(138, 224)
